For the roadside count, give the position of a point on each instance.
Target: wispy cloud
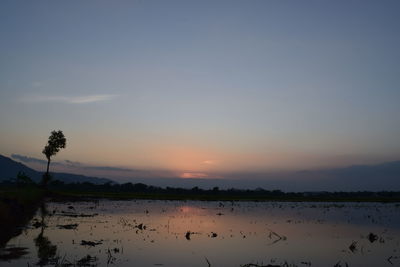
(72, 163)
(28, 159)
(70, 99)
(107, 168)
(90, 99)
(69, 163)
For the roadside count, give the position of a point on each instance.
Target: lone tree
(56, 142)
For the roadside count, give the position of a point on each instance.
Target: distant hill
(378, 177)
(10, 168)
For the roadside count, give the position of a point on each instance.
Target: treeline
(215, 191)
(143, 189)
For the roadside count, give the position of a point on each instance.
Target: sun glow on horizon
(192, 175)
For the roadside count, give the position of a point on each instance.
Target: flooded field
(195, 233)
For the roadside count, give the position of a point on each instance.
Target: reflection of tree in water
(46, 250)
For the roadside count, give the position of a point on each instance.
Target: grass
(24, 196)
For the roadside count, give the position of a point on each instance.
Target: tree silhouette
(56, 142)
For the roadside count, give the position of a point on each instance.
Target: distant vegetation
(58, 189)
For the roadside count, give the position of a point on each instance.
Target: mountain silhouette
(9, 170)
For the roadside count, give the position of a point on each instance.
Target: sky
(197, 89)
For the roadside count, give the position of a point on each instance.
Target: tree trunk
(48, 165)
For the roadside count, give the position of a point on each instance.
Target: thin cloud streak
(108, 168)
(70, 99)
(71, 164)
(26, 159)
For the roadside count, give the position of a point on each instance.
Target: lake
(200, 233)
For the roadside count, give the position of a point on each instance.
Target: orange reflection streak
(187, 209)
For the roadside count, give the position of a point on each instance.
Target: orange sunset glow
(262, 133)
(194, 175)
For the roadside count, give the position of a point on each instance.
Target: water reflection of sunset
(186, 209)
(153, 232)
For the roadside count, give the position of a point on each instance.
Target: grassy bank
(17, 207)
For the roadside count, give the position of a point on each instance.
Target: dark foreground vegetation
(142, 191)
(17, 206)
(59, 190)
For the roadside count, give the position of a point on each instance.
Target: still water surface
(196, 233)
